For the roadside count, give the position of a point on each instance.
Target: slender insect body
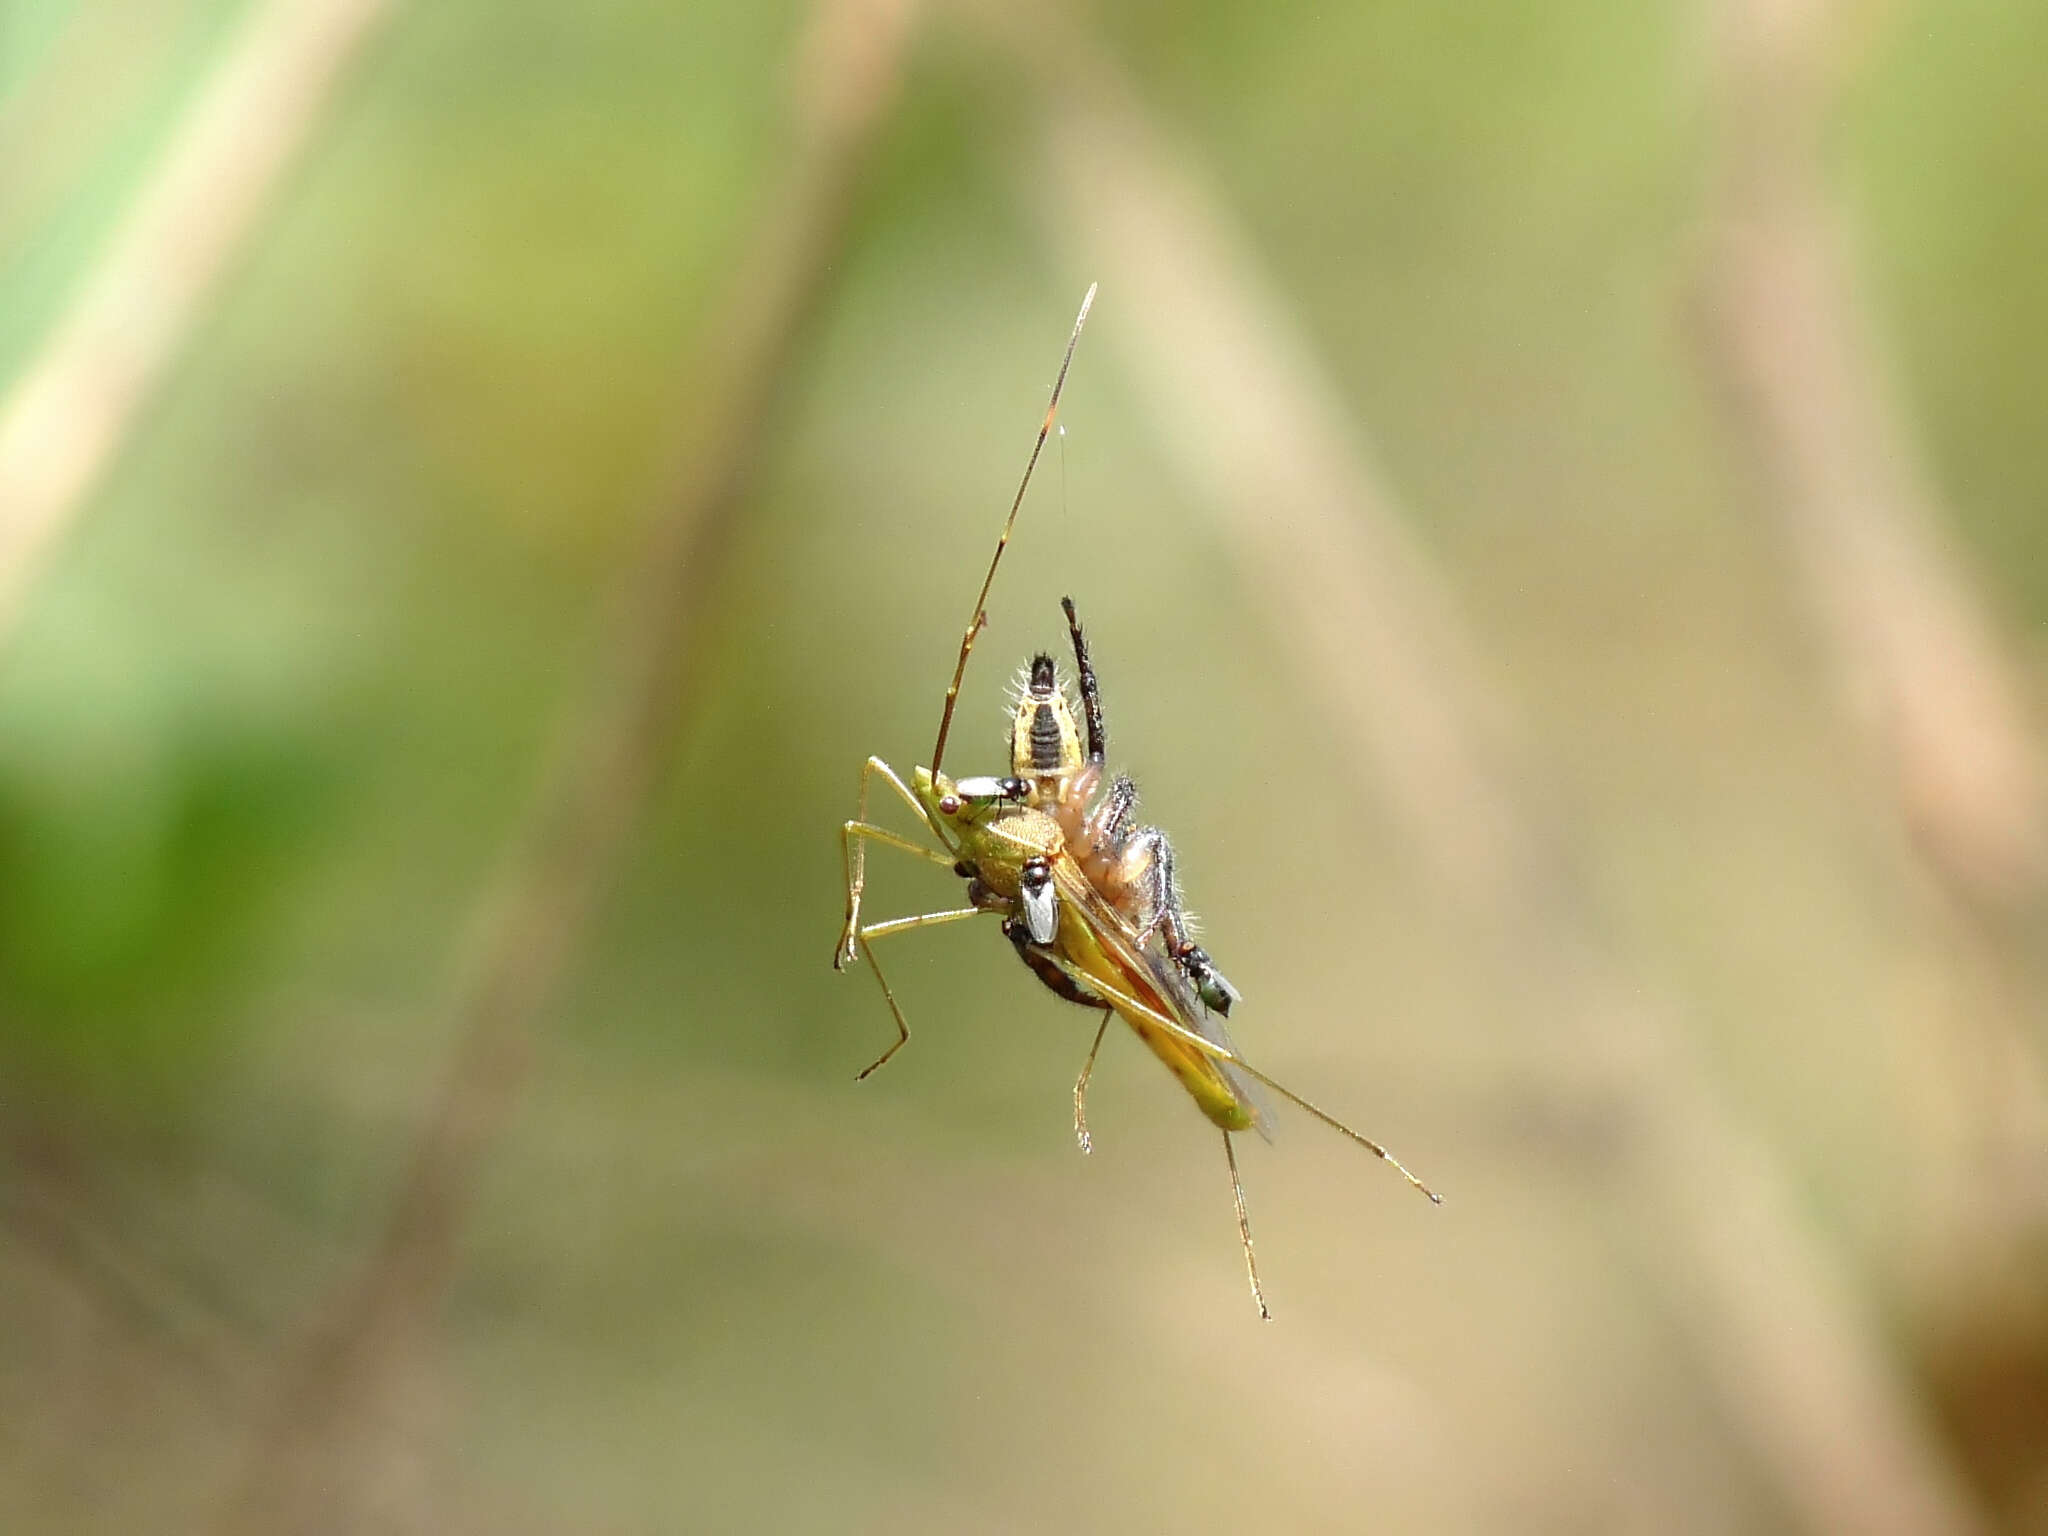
(1088, 899)
(1127, 873)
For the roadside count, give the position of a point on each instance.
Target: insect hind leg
(1133, 1007)
(1244, 1227)
(1081, 1083)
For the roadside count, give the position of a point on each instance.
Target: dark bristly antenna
(980, 616)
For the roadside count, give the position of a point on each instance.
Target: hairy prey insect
(1089, 900)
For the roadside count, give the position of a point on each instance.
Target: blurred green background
(285, 688)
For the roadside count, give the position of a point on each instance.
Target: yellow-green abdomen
(1199, 1074)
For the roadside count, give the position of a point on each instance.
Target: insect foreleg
(853, 845)
(875, 765)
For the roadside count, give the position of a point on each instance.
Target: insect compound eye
(949, 805)
(1013, 789)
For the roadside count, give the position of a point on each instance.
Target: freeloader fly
(1090, 901)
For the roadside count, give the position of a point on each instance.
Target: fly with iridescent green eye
(1089, 900)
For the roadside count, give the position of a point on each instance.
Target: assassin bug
(1089, 902)
(1132, 866)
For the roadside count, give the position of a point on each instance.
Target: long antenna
(980, 617)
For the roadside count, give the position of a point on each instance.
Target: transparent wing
(1166, 981)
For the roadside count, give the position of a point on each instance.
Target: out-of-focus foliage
(288, 689)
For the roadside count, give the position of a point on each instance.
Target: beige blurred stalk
(1265, 445)
(345, 1425)
(1919, 664)
(1918, 656)
(70, 411)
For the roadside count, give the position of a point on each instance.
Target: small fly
(1090, 900)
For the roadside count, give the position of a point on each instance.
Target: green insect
(1090, 902)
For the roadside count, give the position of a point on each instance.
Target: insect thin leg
(875, 765)
(869, 831)
(895, 925)
(856, 856)
(1244, 1226)
(895, 1012)
(1081, 1084)
(884, 930)
(1127, 1003)
(868, 770)
(854, 836)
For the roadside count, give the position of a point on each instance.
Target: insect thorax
(1001, 847)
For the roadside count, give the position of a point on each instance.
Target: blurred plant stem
(340, 1405)
(1263, 441)
(1803, 385)
(1802, 382)
(1805, 381)
(208, 1350)
(69, 413)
